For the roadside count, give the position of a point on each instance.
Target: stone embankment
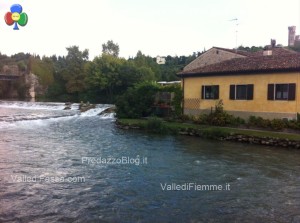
(203, 133)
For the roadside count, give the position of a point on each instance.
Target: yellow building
(265, 83)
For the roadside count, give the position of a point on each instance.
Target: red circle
(8, 18)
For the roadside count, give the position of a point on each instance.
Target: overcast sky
(156, 27)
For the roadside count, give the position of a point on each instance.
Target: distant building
(160, 60)
(294, 40)
(164, 83)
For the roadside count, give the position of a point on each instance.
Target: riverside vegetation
(217, 125)
(75, 78)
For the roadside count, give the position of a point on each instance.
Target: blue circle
(16, 8)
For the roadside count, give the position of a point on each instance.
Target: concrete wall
(259, 106)
(212, 56)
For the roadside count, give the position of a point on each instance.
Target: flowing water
(62, 166)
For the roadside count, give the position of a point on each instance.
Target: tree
(111, 48)
(43, 69)
(137, 102)
(73, 73)
(104, 74)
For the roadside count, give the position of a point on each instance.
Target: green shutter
(271, 91)
(250, 88)
(217, 92)
(292, 92)
(202, 92)
(232, 92)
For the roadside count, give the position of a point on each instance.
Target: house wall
(259, 106)
(212, 56)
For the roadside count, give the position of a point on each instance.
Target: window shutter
(232, 92)
(217, 92)
(202, 92)
(250, 88)
(292, 92)
(271, 91)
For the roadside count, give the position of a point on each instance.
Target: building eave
(236, 72)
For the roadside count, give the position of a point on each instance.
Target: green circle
(23, 19)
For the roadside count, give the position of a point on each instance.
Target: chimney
(273, 43)
(267, 53)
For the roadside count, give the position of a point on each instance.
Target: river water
(63, 166)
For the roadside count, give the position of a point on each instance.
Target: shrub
(202, 119)
(259, 122)
(137, 102)
(156, 125)
(277, 124)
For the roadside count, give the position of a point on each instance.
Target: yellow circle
(15, 16)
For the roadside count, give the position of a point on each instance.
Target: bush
(219, 117)
(156, 125)
(138, 101)
(202, 119)
(277, 124)
(259, 122)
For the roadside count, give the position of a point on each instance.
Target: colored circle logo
(16, 16)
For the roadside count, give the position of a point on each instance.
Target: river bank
(250, 136)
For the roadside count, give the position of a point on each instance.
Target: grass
(176, 127)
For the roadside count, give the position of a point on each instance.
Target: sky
(156, 27)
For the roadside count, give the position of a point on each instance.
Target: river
(62, 166)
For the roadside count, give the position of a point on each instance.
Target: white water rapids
(41, 112)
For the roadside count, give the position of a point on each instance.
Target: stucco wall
(210, 57)
(260, 104)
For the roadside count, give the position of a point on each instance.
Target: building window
(210, 92)
(282, 92)
(241, 92)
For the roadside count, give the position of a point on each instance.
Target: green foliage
(274, 124)
(103, 80)
(219, 117)
(43, 69)
(73, 72)
(177, 100)
(258, 122)
(137, 102)
(22, 87)
(214, 133)
(251, 49)
(277, 124)
(156, 125)
(111, 48)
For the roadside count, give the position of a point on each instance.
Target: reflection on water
(264, 182)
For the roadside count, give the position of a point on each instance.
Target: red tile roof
(253, 64)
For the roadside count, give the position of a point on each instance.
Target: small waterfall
(97, 112)
(40, 113)
(33, 105)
